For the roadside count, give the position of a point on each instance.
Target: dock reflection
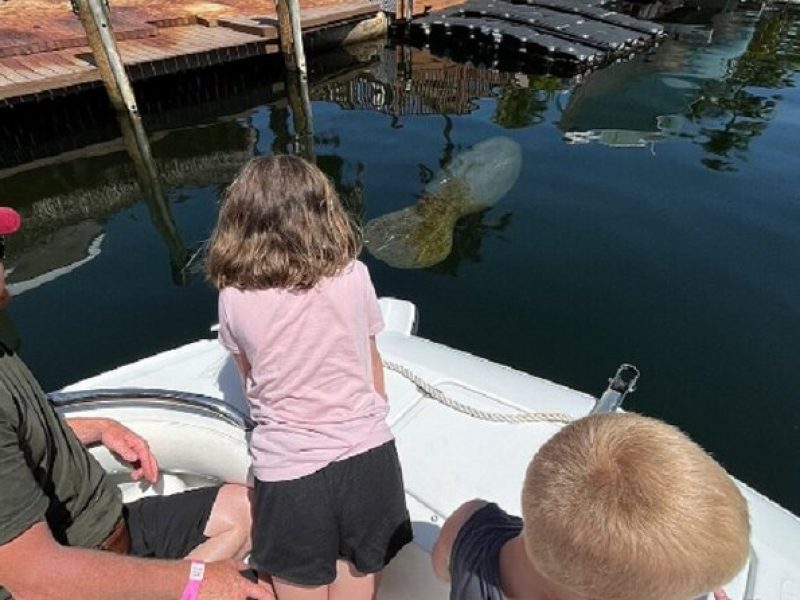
(137, 145)
(709, 83)
(70, 166)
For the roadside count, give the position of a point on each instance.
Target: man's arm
(88, 431)
(34, 565)
(121, 441)
(443, 547)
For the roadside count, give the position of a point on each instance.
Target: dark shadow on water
(468, 235)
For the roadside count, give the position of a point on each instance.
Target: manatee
(422, 235)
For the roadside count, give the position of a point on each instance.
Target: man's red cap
(9, 220)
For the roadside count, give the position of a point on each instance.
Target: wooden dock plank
(55, 60)
(319, 16)
(10, 75)
(45, 25)
(30, 90)
(19, 70)
(75, 57)
(44, 68)
(33, 31)
(66, 62)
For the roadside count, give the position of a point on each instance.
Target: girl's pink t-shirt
(310, 388)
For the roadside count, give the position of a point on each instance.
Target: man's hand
(720, 595)
(130, 448)
(223, 581)
(121, 441)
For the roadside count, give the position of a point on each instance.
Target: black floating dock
(574, 31)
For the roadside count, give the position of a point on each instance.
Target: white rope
(438, 395)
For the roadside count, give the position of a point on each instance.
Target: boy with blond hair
(614, 507)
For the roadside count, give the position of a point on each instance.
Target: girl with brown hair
(299, 315)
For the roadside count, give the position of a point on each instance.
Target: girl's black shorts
(354, 509)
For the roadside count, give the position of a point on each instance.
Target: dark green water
(656, 220)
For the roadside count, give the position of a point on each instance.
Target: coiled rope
(435, 393)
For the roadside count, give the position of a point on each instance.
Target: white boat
(198, 431)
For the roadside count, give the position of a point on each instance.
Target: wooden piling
(299, 100)
(96, 21)
(291, 38)
(291, 35)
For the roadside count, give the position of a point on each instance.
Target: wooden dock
(44, 53)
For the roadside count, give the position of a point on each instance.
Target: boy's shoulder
(443, 547)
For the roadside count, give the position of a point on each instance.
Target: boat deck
(447, 456)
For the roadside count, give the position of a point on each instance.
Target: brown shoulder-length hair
(281, 225)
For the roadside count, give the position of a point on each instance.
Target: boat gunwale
(118, 397)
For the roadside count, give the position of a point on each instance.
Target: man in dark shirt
(64, 532)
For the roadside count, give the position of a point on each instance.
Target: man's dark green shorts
(169, 526)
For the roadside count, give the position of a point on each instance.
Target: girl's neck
(520, 579)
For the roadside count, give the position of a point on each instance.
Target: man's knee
(231, 512)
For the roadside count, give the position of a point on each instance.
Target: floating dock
(580, 32)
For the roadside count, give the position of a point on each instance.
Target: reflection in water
(138, 146)
(279, 125)
(468, 234)
(57, 254)
(729, 113)
(407, 81)
(524, 104)
(300, 103)
(697, 85)
(410, 82)
(691, 279)
(399, 81)
(422, 235)
(631, 103)
(89, 186)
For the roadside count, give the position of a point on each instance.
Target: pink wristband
(196, 572)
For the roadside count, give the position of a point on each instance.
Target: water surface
(656, 219)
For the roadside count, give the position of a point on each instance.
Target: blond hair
(625, 507)
(280, 225)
